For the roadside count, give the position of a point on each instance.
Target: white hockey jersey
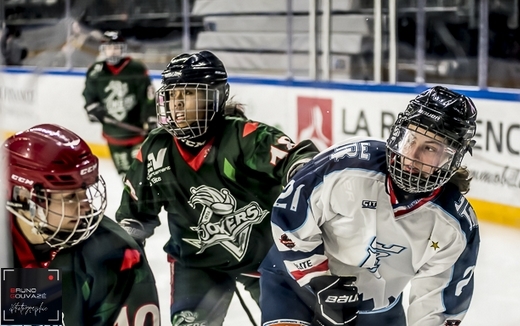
(339, 215)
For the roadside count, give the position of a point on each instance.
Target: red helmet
(43, 163)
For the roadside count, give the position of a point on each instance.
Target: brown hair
(234, 109)
(461, 179)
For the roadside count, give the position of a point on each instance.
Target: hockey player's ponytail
(461, 178)
(234, 109)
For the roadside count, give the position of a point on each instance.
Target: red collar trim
(195, 161)
(23, 249)
(400, 210)
(391, 192)
(116, 70)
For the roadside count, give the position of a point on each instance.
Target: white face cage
(185, 110)
(421, 160)
(113, 52)
(65, 218)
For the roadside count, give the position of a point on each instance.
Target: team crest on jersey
(376, 252)
(187, 318)
(119, 100)
(232, 228)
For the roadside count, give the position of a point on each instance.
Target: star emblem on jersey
(232, 227)
(435, 245)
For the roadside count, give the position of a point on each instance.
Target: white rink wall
(324, 112)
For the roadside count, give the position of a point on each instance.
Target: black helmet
(201, 72)
(113, 37)
(113, 47)
(444, 117)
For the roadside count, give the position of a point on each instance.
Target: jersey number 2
(288, 191)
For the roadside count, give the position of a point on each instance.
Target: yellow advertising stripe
(100, 150)
(7, 134)
(496, 213)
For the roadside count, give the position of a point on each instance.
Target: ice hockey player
(56, 202)
(217, 175)
(119, 94)
(365, 218)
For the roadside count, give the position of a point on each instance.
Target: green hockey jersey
(218, 200)
(106, 279)
(127, 93)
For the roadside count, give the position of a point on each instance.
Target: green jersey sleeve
(138, 201)
(90, 93)
(270, 151)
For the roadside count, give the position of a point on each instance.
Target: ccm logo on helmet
(88, 170)
(21, 180)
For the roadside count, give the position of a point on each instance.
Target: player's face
(113, 50)
(423, 152)
(188, 105)
(65, 209)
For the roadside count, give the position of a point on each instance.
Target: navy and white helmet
(200, 73)
(429, 139)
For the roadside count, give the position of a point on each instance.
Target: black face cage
(186, 110)
(418, 182)
(85, 224)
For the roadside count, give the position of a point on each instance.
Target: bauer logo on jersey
(221, 222)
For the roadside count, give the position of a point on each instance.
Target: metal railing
(377, 54)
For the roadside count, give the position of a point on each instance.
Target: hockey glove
(336, 300)
(96, 112)
(135, 229)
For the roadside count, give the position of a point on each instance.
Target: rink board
(323, 111)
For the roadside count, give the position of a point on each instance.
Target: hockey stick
(124, 125)
(244, 306)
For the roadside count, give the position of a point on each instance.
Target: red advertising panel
(315, 120)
